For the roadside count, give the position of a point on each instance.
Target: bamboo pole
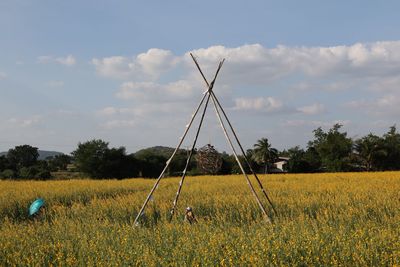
(215, 99)
(244, 155)
(210, 87)
(209, 93)
(238, 161)
(169, 160)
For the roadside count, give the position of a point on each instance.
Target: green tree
(313, 159)
(264, 154)
(300, 161)
(95, 159)
(227, 163)
(8, 174)
(22, 156)
(178, 163)
(250, 157)
(153, 160)
(333, 147)
(117, 164)
(230, 165)
(89, 157)
(370, 152)
(392, 146)
(27, 172)
(151, 164)
(59, 162)
(39, 171)
(236, 168)
(42, 170)
(4, 163)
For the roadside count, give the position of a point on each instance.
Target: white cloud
(44, 59)
(69, 60)
(256, 65)
(107, 111)
(114, 67)
(262, 104)
(322, 85)
(114, 124)
(332, 73)
(149, 65)
(156, 61)
(24, 122)
(248, 64)
(313, 109)
(388, 100)
(146, 100)
(154, 91)
(386, 84)
(386, 105)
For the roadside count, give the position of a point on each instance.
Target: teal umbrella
(35, 206)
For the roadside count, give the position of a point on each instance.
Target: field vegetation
(350, 219)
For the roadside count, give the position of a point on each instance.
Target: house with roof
(280, 164)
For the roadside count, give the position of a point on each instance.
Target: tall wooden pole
(244, 154)
(238, 161)
(215, 99)
(169, 160)
(218, 107)
(210, 87)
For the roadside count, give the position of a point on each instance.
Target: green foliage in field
(324, 219)
(95, 159)
(22, 162)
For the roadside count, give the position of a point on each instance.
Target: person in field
(189, 216)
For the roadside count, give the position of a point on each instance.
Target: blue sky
(71, 71)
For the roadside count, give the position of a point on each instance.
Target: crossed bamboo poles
(218, 110)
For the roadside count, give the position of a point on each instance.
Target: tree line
(329, 151)
(334, 151)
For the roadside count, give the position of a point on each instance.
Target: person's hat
(188, 209)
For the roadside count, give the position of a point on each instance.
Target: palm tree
(264, 154)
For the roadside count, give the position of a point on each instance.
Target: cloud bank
(145, 66)
(257, 65)
(304, 87)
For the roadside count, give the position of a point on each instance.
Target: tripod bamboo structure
(221, 115)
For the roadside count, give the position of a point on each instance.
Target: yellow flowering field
(348, 219)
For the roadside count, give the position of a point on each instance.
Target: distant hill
(159, 150)
(43, 154)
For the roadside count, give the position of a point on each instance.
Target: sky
(72, 71)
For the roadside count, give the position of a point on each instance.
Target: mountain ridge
(43, 154)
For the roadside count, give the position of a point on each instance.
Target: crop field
(350, 219)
